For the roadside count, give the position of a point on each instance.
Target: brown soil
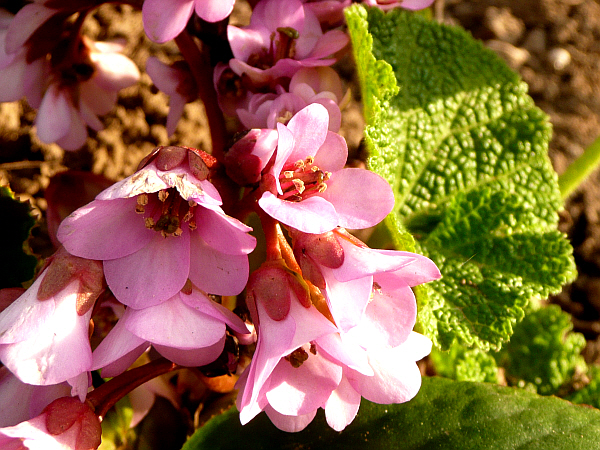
(553, 44)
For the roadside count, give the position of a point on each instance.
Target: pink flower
(176, 81)
(188, 329)
(44, 333)
(65, 424)
(282, 38)
(164, 20)
(307, 186)
(329, 12)
(159, 227)
(406, 4)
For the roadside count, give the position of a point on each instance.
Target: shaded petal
(205, 305)
(291, 424)
(285, 147)
(176, 107)
(245, 42)
(53, 120)
(193, 357)
(301, 390)
(214, 10)
(114, 71)
(24, 24)
(345, 352)
(333, 154)
(164, 77)
(89, 117)
(164, 20)
(313, 215)
(105, 230)
(100, 101)
(215, 272)
(223, 233)
(362, 208)
(174, 324)
(77, 134)
(331, 42)
(342, 405)
(151, 275)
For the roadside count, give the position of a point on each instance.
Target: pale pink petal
(344, 351)
(176, 107)
(200, 302)
(291, 424)
(174, 324)
(285, 103)
(361, 208)
(144, 181)
(313, 215)
(331, 42)
(301, 390)
(164, 20)
(11, 88)
(105, 230)
(53, 119)
(317, 79)
(193, 357)
(335, 115)
(285, 147)
(80, 385)
(36, 82)
(114, 71)
(275, 13)
(311, 124)
(214, 10)
(117, 351)
(245, 42)
(77, 134)
(342, 405)
(24, 24)
(58, 351)
(151, 275)
(223, 233)
(164, 77)
(309, 35)
(333, 154)
(348, 300)
(215, 272)
(89, 117)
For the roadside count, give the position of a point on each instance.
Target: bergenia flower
(160, 227)
(307, 186)
(188, 329)
(44, 334)
(165, 19)
(412, 5)
(329, 12)
(282, 38)
(65, 424)
(177, 82)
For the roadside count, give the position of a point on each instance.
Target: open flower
(307, 186)
(165, 19)
(412, 5)
(159, 227)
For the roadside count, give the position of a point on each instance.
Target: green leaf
(543, 351)
(445, 415)
(465, 364)
(590, 394)
(465, 151)
(17, 264)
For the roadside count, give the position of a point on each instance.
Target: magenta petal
(192, 357)
(415, 4)
(151, 275)
(215, 272)
(333, 154)
(223, 233)
(342, 406)
(363, 208)
(214, 10)
(117, 351)
(347, 300)
(313, 215)
(291, 424)
(298, 391)
(174, 324)
(310, 127)
(164, 20)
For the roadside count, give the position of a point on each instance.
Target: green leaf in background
(17, 265)
(445, 415)
(465, 364)
(465, 150)
(590, 394)
(543, 351)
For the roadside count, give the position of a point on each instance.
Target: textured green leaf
(465, 364)
(465, 151)
(17, 265)
(445, 415)
(543, 351)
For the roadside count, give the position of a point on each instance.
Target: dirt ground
(553, 44)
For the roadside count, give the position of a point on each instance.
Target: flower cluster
(154, 261)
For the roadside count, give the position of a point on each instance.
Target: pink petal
(77, 135)
(24, 24)
(89, 117)
(291, 424)
(164, 20)
(335, 115)
(245, 42)
(415, 4)
(344, 351)
(105, 230)
(309, 35)
(164, 77)
(117, 351)
(333, 153)
(176, 107)
(193, 357)
(223, 233)
(11, 88)
(274, 14)
(198, 301)
(309, 127)
(53, 119)
(285, 147)
(342, 406)
(313, 215)
(174, 324)
(301, 390)
(215, 272)
(331, 42)
(359, 209)
(114, 71)
(151, 275)
(214, 10)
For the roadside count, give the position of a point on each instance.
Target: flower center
(283, 45)
(302, 180)
(298, 356)
(165, 211)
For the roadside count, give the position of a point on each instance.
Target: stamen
(299, 185)
(162, 195)
(149, 223)
(297, 357)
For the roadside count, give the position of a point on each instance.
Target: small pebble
(514, 56)
(559, 58)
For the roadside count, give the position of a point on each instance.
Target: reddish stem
(104, 397)
(202, 73)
